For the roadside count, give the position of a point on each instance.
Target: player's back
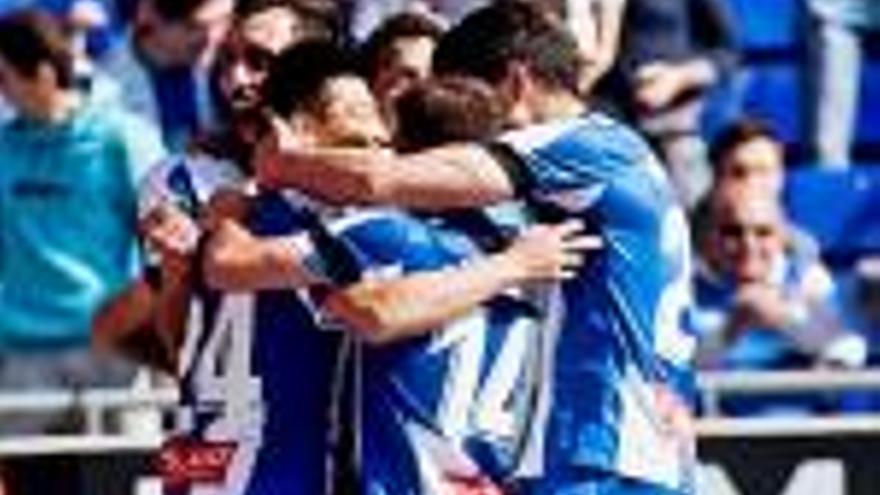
(446, 408)
(615, 396)
(257, 377)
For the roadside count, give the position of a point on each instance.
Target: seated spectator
(760, 308)
(397, 53)
(162, 68)
(750, 154)
(863, 311)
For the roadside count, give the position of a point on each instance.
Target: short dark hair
(487, 40)
(30, 38)
(446, 109)
(320, 17)
(176, 10)
(741, 131)
(298, 75)
(373, 51)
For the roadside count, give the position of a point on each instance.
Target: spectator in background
(863, 311)
(398, 53)
(671, 54)
(758, 307)
(836, 29)
(163, 67)
(67, 212)
(748, 153)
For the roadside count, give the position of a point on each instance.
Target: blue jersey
(447, 407)
(256, 380)
(617, 374)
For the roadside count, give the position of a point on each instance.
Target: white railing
(714, 385)
(96, 404)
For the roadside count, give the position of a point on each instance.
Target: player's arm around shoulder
(454, 176)
(388, 310)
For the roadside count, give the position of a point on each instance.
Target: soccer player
(175, 195)
(437, 413)
(614, 414)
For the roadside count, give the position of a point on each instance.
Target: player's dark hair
(176, 10)
(30, 38)
(298, 75)
(320, 18)
(485, 42)
(374, 52)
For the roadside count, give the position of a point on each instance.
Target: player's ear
(518, 80)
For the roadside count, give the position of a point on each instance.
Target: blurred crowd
(95, 93)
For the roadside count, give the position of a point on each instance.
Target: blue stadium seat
(766, 24)
(773, 93)
(840, 208)
(868, 129)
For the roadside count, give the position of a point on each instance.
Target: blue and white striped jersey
(256, 374)
(617, 373)
(446, 409)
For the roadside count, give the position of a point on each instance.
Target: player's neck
(558, 105)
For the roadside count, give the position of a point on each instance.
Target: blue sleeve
(573, 153)
(395, 240)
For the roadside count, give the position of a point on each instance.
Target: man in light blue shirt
(67, 210)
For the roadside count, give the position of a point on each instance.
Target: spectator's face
(757, 163)
(348, 115)
(28, 95)
(748, 235)
(407, 60)
(186, 42)
(248, 53)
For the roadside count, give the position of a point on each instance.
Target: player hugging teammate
(491, 305)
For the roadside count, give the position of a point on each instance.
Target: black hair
(177, 10)
(30, 38)
(321, 18)
(485, 42)
(299, 73)
(404, 25)
(737, 133)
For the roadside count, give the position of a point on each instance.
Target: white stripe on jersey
(531, 462)
(207, 175)
(655, 441)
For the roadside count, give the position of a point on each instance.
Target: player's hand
(224, 204)
(550, 252)
(169, 231)
(172, 235)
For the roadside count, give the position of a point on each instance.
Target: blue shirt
(68, 213)
(617, 384)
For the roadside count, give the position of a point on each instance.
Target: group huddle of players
(489, 311)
